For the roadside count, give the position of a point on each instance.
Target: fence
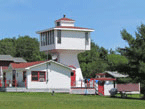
(12, 83)
(82, 83)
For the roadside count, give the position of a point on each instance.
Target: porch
(13, 84)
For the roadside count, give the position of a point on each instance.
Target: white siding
(108, 87)
(19, 78)
(67, 24)
(47, 47)
(9, 75)
(70, 58)
(73, 40)
(58, 77)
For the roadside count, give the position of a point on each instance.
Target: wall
(70, 58)
(108, 86)
(73, 40)
(19, 79)
(58, 77)
(70, 40)
(63, 23)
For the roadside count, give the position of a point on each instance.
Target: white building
(65, 41)
(44, 76)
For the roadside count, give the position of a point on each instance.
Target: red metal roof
(24, 65)
(128, 87)
(4, 67)
(67, 19)
(72, 27)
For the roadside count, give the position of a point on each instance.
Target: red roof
(24, 65)
(128, 87)
(4, 67)
(67, 19)
(70, 27)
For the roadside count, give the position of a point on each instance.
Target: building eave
(27, 68)
(73, 29)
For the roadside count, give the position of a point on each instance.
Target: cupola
(64, 22)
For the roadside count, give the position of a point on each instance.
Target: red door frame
(73, 78)
(101, 87)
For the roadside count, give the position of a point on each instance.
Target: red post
(0, 84)
(15, 83)
(25, 83)
(5, 83)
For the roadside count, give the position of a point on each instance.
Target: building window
(38, 76)
(48, 38)
(41, 38)
(24, 75)
(59, 36)
(44, 37)
(58, 23)
(52, 37)
(86, 37)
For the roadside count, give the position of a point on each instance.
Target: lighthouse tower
(65, 41)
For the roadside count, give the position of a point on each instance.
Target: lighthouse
(64, 42)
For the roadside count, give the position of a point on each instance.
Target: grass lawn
(65, 101)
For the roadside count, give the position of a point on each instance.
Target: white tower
(65, 42)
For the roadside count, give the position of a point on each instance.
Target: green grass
(65, 101)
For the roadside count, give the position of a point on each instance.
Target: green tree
(8, 46)
(23, 46)
(93, 61)
(135, 53)
(28, 48)
(116, 62)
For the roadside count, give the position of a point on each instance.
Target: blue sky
(107, 17)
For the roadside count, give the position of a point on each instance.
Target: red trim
(38, 74)
(66, 19)
(82, 87)
(0, 83)
(72, 66)
(25, 83)
(72, 27)
(104, 79)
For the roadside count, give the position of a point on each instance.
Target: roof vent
(64, 16)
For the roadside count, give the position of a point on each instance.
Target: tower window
(59, 36)
(58, 23)
(86, 37)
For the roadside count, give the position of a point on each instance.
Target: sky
(106, 17)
